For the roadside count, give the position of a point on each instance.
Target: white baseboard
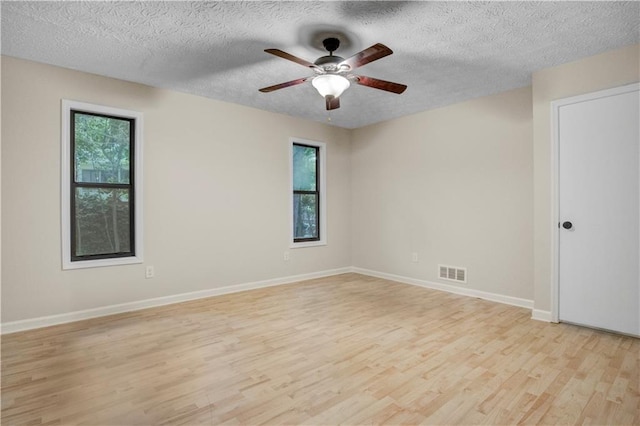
(508, 300)
(539, 315)
(28, 324)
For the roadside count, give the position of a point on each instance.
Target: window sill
(308, 244)
(98, 263)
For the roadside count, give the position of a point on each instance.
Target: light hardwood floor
(347, 349)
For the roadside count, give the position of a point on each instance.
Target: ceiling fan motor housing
(329, 62)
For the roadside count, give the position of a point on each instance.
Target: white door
(599, 209)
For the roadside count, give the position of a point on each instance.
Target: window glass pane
(305, 216)
(101, 149)
(102, 221)
(304, 168)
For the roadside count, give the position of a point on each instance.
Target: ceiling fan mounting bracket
(331, 44)
(315, 35)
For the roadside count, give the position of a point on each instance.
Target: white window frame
(322, 147)
(67, 106)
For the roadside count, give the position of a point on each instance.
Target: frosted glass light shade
(330, 84)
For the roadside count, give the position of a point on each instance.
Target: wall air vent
(452, 273)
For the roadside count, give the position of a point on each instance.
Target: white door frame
(555, 193)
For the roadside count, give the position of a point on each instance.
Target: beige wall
(1, 58)
(607, 70)
(467, 185)
(454, 185)
(216, 194)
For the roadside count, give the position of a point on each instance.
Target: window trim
(321, 185)
(66, 175)
(315, 193)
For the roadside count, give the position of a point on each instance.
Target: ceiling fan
(333, 73)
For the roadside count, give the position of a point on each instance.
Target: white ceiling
(445, 52)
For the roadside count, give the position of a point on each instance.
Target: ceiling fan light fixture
(330, 84)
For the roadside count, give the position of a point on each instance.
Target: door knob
(567, 225)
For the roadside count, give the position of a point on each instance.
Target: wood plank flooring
(347, 349)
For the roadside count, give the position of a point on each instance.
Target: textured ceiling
(445, 52)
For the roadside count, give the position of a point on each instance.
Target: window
(101, 186)
(308, 193)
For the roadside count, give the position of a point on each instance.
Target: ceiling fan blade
(389, 86)
(332, 102)
(290, 57)
(370, 54)
(283, 85)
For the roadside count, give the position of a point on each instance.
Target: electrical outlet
(149, 272)
(414, 257)
(286, 256)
